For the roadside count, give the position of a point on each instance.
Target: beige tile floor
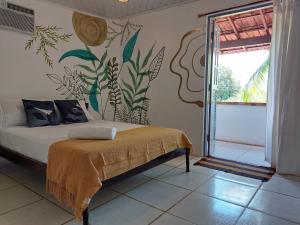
(164, 195)
(239, 152)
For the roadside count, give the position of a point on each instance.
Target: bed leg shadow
(85, 216)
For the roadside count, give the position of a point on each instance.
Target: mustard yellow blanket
(77, 167)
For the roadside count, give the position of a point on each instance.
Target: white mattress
(35, 142)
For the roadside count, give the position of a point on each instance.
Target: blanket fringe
(63, 196)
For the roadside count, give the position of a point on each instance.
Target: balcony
(240, 132)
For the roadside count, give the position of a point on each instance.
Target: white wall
(241, 123)
(23, 74)
(167, 27)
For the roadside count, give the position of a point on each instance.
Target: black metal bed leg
(85, 216)
(187, 159)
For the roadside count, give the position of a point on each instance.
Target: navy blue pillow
(71, 111)
(40, 113)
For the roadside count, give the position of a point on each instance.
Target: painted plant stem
(142, 109)
(114, 94)
(100, 91)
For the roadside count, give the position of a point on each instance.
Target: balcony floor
(239, 152)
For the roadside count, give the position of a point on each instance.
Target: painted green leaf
(128, 87)
(147, 73)
(139, 82)
(87, 68)
(79, 53)
(90, 51)
(138, 60)
(104, 78)
(102, 60)
(87, 77)
(127, 93)
(142, 91)
(141, 99)
(128, 102)
(93, 96)
(129, 47)
(103, 57)
(133, 65)
(132, 78)
(146, 60)
(104, 87)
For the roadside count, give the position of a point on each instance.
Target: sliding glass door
(212, 85)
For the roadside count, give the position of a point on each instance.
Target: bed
(29, 147)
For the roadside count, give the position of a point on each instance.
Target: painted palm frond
(135, 90)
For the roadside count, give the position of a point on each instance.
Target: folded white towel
(93, 132)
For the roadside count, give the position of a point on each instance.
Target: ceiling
(247, 31)
(116, 9)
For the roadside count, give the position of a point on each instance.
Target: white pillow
(13, 113)
(93, 132)
(85, 110)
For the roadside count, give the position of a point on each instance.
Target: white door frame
(208, 65)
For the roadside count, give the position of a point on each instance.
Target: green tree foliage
(254, 90)
(228, 87)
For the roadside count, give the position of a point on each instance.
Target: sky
(243, 65)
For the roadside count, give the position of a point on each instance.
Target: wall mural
(122, 30)
(107, 81)
(188, 63)
(47, 37)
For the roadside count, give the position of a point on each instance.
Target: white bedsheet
(35, 142)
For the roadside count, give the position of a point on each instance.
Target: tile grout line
(260, 189)
(145, 203)
(15, 185)
(269, 213)
(19, 207)
(246, 207)
(41, 196)
(150, 179)
(155, 178)
(266, 213)
(191, 191)
(23, 184)
(167, 211)
(181, 186)
(275, 192)
(179, 203)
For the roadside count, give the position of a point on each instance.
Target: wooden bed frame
(40, 167)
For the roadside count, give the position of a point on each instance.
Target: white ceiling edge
(156, 10)
(121, 17)
(49, 2)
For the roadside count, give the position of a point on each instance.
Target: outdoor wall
(241, 123)
(25, 74)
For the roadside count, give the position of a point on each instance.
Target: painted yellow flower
(91, 30)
